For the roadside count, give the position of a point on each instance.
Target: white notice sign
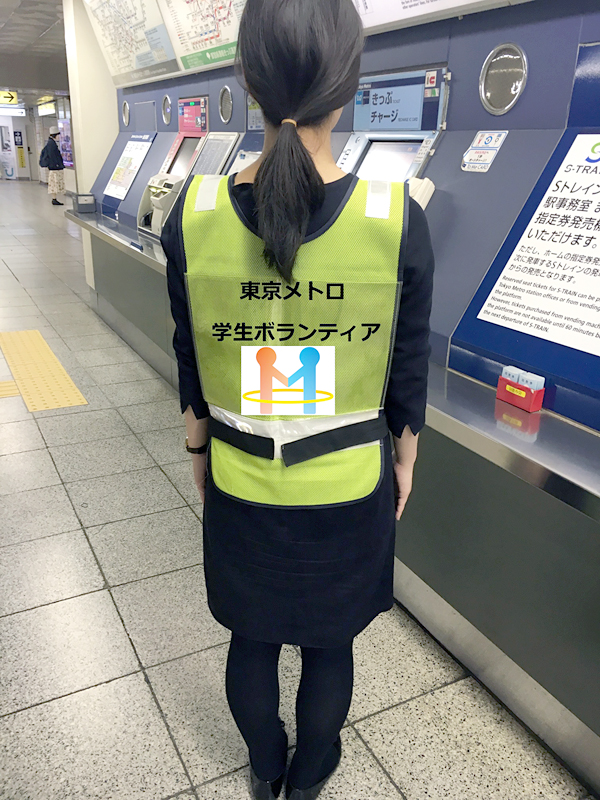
(385, 14)
(550, 287)
(128, 165)
(484, 149)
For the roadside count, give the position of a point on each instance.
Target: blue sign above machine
(405, 101)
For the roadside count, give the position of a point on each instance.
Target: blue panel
(563, 366)
(152, 163)
(227, 77)
(110, 205)
(345, 123)
(550, 42)
(409, 47)
(109, 165)
(590, 29)
(585, 105)
(470, 214)
(144, 115)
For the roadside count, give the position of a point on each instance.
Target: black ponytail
(300, 61)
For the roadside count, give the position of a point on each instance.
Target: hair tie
(291, 121)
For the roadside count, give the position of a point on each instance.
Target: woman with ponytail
(301, 298)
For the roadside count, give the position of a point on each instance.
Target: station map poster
(133, 38)
(379, 15)
(550, 286)
(204, 32)
(129, 164)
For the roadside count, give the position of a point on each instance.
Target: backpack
(44, 157)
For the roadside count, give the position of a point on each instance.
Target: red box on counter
(519, 396)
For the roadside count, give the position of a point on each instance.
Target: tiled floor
(112, 670)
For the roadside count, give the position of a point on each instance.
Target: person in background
(51, 158)
(299, 513)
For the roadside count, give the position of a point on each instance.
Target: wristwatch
(196, 451)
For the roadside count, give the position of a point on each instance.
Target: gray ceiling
(32, 26)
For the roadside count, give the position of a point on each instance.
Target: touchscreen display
(388, 161)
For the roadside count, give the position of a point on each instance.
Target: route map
(204, 32)
(133, 38)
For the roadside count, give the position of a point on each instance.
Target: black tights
(322, 705)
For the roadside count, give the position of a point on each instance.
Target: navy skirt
(309, 577)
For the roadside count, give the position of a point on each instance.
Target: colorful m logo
(294, 381)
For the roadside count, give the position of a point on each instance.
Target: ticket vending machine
(251, 143)
(162, 189)
(397, 120)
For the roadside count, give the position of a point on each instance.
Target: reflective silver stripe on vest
(283, 431)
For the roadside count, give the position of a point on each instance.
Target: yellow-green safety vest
(265, 347)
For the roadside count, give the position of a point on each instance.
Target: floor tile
(30, 515)
(46, 570)
(76, 462)
(85, 427)
(88, 328)
(198, 510)
(123, 496)
(182, 477)
(458, 743)
(394, 660)
(111, 355)
(20, 472)
(105, 743)
(96, 400)
(19, 437)
(166, 446)
(149, 545)
(61, 648)
(29, 323)
(191, 693)
(13, 409)
(168, 616)
(153, 416)
(9, 297)
(135, 392)
(358, 777)
(95, 341)
(63, 310)
(21, 310)
(47, 291)
(122, 373)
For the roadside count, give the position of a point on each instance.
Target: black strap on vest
(254, 445)
(302, 449)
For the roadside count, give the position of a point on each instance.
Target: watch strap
(196, 451)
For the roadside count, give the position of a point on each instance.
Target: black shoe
(267, 790)
(56, 202)
(313, 791)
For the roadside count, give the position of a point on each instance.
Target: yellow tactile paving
(9, 389)
(41, 378)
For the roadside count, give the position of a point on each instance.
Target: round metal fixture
(125, 113)
(503, 78)
(166, 109)
(225, 105)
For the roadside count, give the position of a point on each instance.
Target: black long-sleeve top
(53, 154)
(407, 388)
